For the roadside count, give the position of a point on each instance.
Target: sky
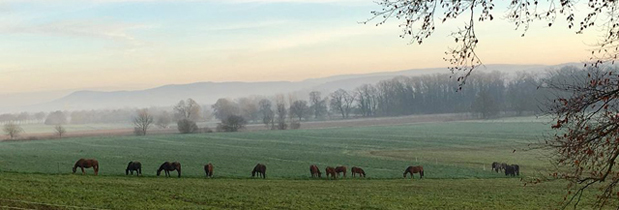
(53, 45)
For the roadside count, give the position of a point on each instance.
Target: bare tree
(341, 102)
(418, 22)
(318, 105)
(300, 109)
(12, 130)
(266, 111)
(60, 131)
(188, 109)
(281, 112)
(164, 119)
(224, 108)
(585, 145)
(142, 121)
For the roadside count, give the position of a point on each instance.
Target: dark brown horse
(414, 169)
(512, 170)
(341, 169)
(315, 171)
(167, 167)
(208, 169)
(134, 166)
(331, 172)
(261, 170)
(357, 170)
(87, 163)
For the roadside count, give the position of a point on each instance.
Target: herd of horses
(259, 169)
(510, 170)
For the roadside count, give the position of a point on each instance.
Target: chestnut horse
(414, 169)
(341, 169)
(331, 172)
(208, 169)
(167, 167)
(315, 171)
(134, 166)
(357, 170)
(87, 163)
(261, 170)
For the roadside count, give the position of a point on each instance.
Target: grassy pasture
(111, 192)
(455, 155)
(446, 150)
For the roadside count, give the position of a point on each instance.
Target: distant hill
(209, 92)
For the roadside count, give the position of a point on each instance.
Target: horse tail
(179, 170)
(95, 166)
(421, 173)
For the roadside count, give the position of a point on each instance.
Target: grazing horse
(414, 169)
(331, 172)
(167, 167)
(208, 169)
(134, 166)
(357, 170)
(341, 169)
(87, 163)
(512, 170)
(315, 171)
(496, 166)
(261, 170)
(516, 169)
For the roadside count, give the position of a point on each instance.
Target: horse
(134, 166)
(341, 169)
(208, 169)
(261, 170)
(516, 169)
(87, 163)
(315, 172)
(414, 169)
(331, 171)
(496, 166)
(512, 170)
(167, 167)
(357, 170)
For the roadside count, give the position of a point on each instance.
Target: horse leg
(83, 172)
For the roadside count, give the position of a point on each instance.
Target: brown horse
(134, 166)
(208, 169)
(331, 172)
(414, 169)
(341, 169)
(261, 170)
(167, 167)
(315, 171)
(87, 163)
(357, 170)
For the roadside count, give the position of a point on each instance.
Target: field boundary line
(49, 204)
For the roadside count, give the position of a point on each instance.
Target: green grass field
(456, 157)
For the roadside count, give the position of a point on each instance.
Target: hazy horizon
(136, 44)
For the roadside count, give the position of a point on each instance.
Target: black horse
(512, 170)
(261, 170)
(134, 166)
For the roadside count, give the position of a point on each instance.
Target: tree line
(486, 95)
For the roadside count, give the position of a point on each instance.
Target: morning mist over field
(309, 104)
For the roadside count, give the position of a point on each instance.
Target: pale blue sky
(133, 44)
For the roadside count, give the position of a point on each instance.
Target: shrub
(187, 126)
